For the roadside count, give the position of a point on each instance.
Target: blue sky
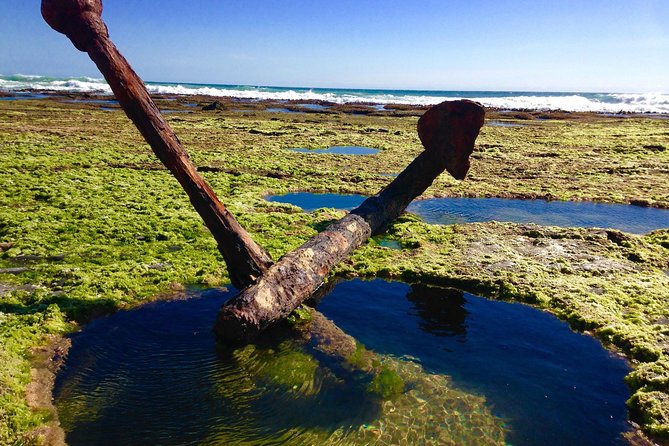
(540, 45)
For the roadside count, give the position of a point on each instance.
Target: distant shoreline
(615, 103)
(174, 103)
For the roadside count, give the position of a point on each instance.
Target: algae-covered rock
(341, 410)
(386, 383)
(103, 199)
(286, 366)
(652, 410)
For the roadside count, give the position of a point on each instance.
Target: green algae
(363, 359)
(104, 225)
(386, 383)
(285, 366)
(300, 315)
(431, 411)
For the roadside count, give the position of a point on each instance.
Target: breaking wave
(591, 102)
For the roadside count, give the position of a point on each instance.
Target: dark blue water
(278, 110)
(446, 211)
(155, 375)
(339, 150)
(93, 101)
(555, 387)
(19, 96)
(316, 107)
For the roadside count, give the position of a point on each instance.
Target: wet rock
(6, 288)
(160, 266)
(5, 246)
(640, 202)
(213, 106)
(56, 258)
(25, 258)
(655, 147)
(278, 174)
(617, 237)
(18, 270)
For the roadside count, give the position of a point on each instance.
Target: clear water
(339, 150)
(155, 375)
(502, 124)
(447, 211)
(279, 110)
(20, 96)
(553, 386)
(316, 107)
(388, 243)
(93, 101)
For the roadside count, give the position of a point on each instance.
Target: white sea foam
(75, 85)
(603, 103)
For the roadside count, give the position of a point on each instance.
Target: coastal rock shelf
(22, 96)
(628, 218)
(475, 372)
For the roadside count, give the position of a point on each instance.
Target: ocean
(513, 100)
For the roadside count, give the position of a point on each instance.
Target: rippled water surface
(474, 371)
(552, 385)
(446, 211)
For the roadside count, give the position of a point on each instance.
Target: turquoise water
(447, 211)
(608, 102)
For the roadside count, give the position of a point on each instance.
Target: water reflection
(441, 310)
(339, 150)
(552, 385)
(502, 124)
(155, 375)
(446, 211)
(17, 96)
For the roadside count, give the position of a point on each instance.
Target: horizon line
(379, 89)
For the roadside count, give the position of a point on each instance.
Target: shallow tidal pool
(338, 150)
(473, 371)
(447, 211)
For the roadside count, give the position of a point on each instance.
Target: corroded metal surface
(448, 133)
(81, 22)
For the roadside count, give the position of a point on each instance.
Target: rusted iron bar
(447, 131)
(81, 22)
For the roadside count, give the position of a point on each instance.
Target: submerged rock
(213, 106)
